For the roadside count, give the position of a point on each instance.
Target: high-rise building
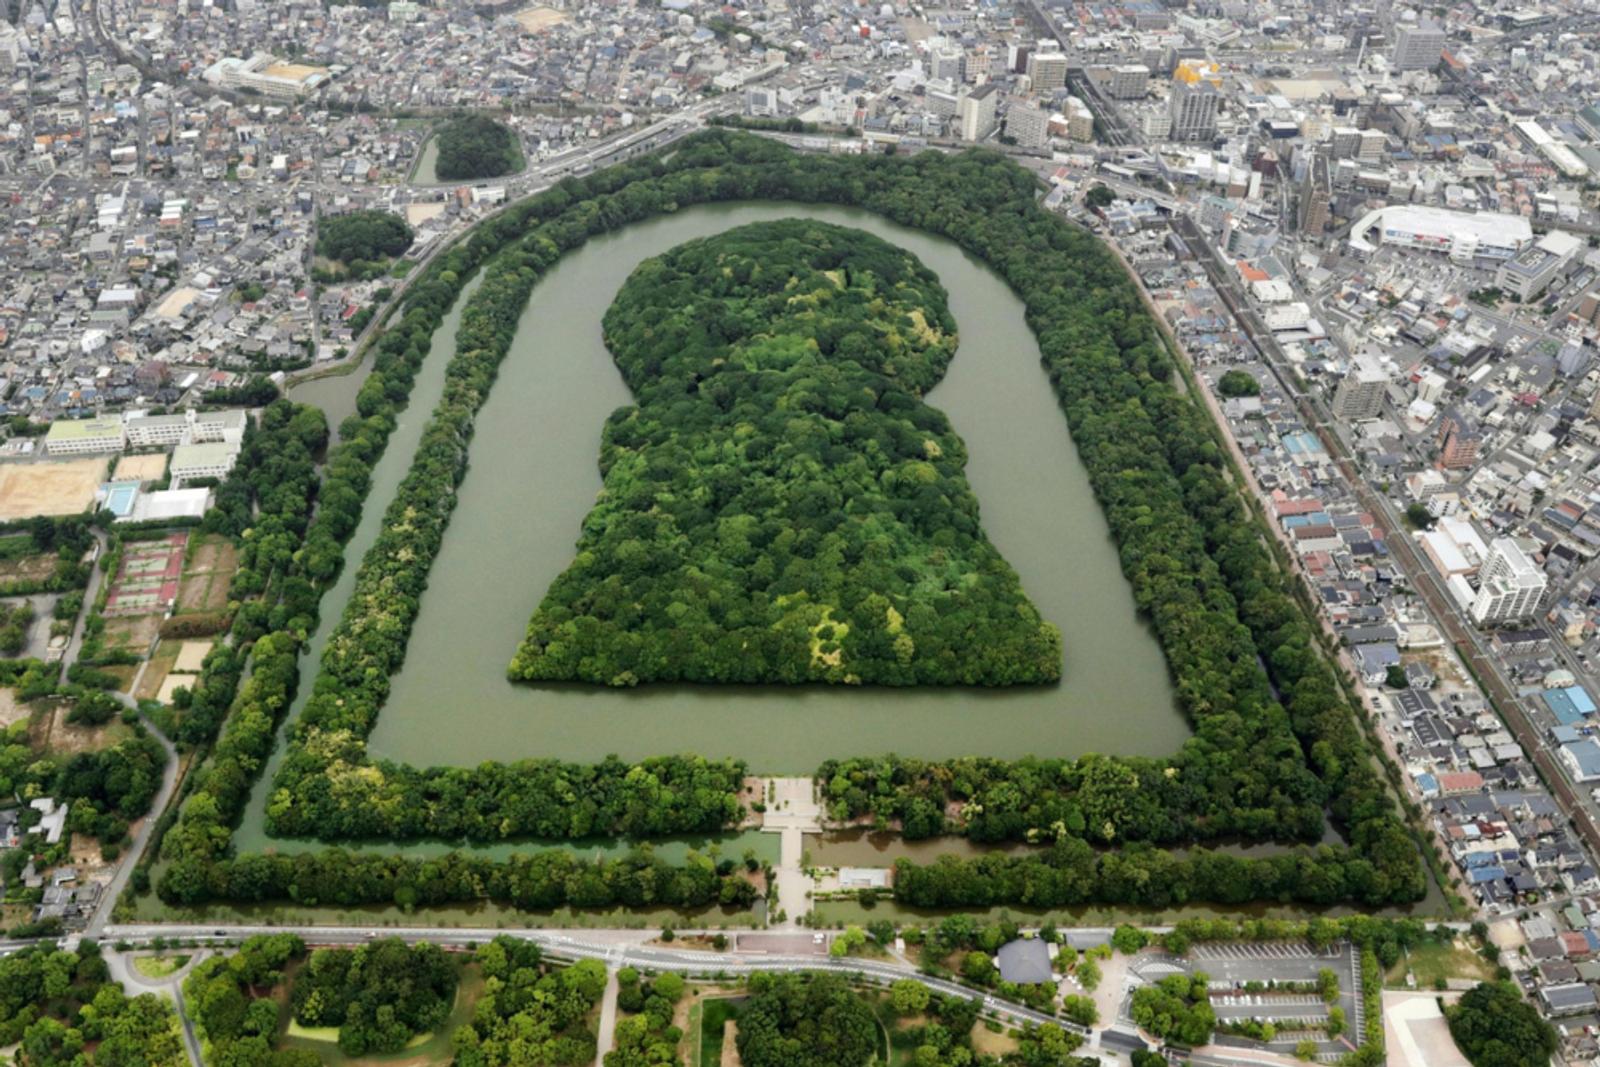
(1193, 104)
(1510, 585)
(1129, 81)
(1029, 125)
(1316, 196)
(1080, 120)
(1418, 47)
(1459, 439)
(977, 113)
(1047, 71)
(1360, 395)
(948, 64)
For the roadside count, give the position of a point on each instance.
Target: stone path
(791, 813)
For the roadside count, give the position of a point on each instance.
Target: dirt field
(997, 1045)
(11, 711)
(52, 731)
(156, 671)
(534, 19)
(730, 1044)
(207, 575)
(28, 568)
(145, 468)
(59, 487)
(133, 632)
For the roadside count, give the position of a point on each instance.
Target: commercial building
(1564, 159)
(1418, 47)
(1510, 585)
(83, 437)
(1461, 235)
(1047, 71)
(1193, 104)
(1530, 271)
(977, 113)
(1029, 125)
(1129, 81)
(191, 462)
(1360, 394)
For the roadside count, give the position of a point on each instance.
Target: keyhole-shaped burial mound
(780, 505)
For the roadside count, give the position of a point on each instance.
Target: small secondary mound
(781, 506)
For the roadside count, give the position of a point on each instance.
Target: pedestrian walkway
(608, 1017)
(792, 812)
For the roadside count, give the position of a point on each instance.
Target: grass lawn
(714, 1015)
(158, 966)
(1433, 961)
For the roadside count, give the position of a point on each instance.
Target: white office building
(190, 428)
(192, 462)
(1029, 125)
(1418, 47)
(977, 113)
(1510, 585)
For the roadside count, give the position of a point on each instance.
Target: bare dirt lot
(28, 568)
(52, 731)
(207, 575)
(133, 632)
(11, 710)
(59, 487)
(142, 468)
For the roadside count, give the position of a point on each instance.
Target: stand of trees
(68, 537)
(1495, 1027)
(475, 146)
(61, 1009)
(805, 1020)
(532, 1014)
(1176, 1009)
(803, 516)
(230, 1000)
(1196, 560)
(380, 995)
(362, 236)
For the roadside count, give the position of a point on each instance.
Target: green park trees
(1495, 1027)
(362, 236)
(475, 146)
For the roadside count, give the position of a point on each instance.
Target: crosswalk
(1263, 950)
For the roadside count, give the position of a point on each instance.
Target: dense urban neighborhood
(970, 534)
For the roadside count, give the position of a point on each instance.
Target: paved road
(607, 1033)
(69, 654)
(120, 964)
(616, 948)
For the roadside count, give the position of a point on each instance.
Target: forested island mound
(475, 146)
(780, 505)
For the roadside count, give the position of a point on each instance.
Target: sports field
(148, 468)
(53, 487)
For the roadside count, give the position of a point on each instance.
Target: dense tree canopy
(378, 995)
(362, 235)
(530, 1014)
(62, 1010)
(475, 146)
(230, 999)
(1495, 1027)
(797, 1020)
(780, 506)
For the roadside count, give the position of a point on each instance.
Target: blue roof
(1586, 754)
(1569, 705)
(1479, 875)
(1427, 783)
